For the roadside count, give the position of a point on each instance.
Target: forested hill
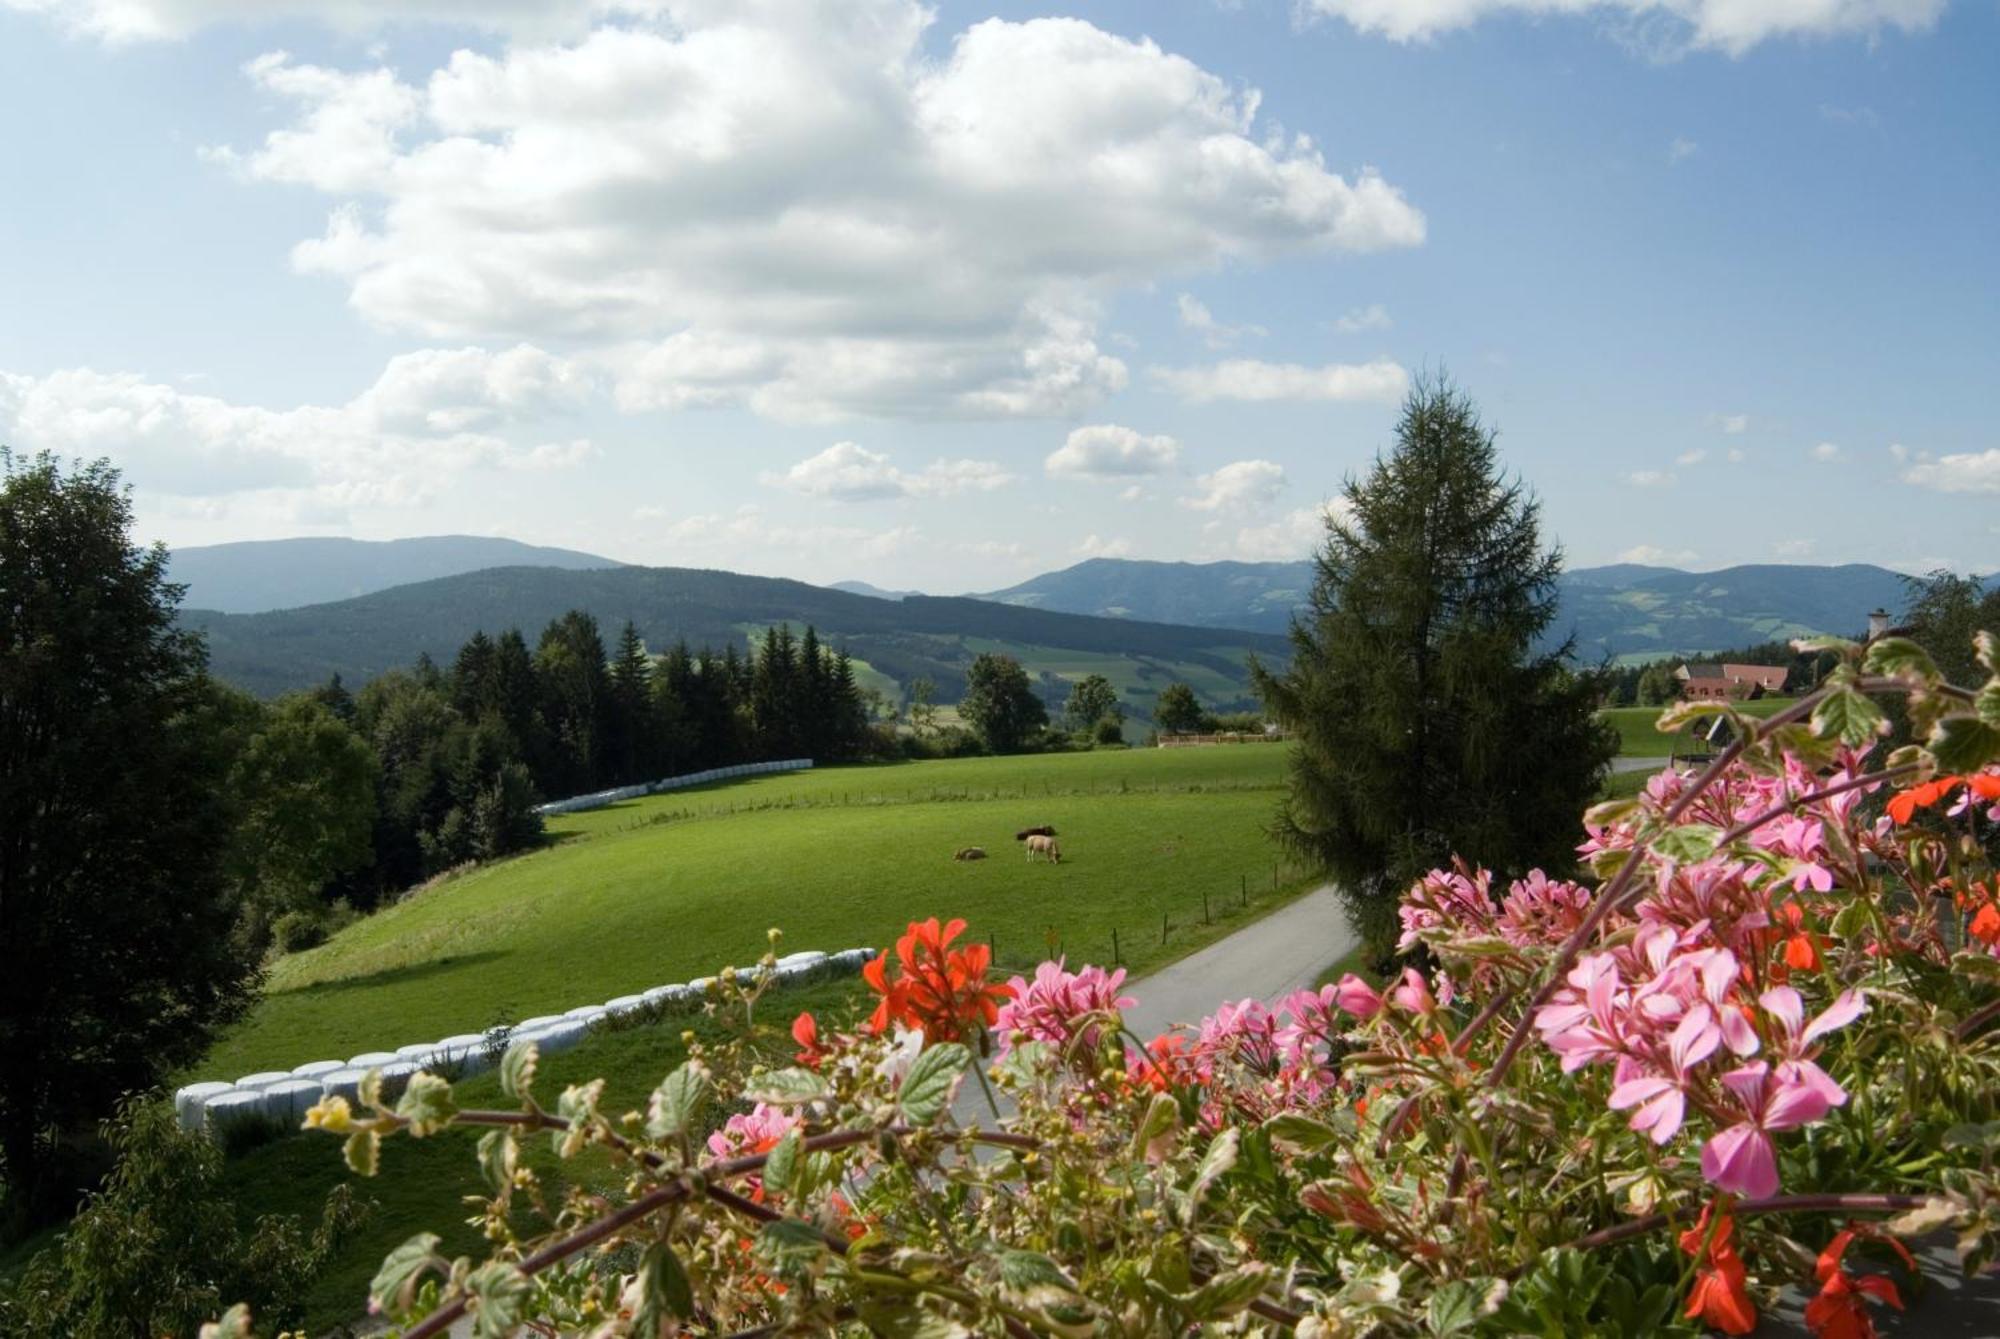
(1621, 610)
(928, 636)
(256, 575)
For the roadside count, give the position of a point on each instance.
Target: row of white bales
(284, 1096)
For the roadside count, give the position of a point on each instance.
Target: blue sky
(942, 298)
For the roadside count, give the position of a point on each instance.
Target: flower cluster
(934, 988)
(1060, 1006)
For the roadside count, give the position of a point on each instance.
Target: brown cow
(1043, 831)
(1046, 847)
(970, 853)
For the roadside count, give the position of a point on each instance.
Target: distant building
(1727, 682)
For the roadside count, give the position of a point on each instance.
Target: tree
(1000, 703)
(305, 787)
(1657, 685)
(1178, 711)
(1427, 722)
(1943, 613)
(1091, 699)
(114, 909)
(631, 738)
(923, 706)
(574, 690)
(160, 1248)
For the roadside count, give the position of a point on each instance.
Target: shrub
(158, 1247)
(1109, 730)
(1760, 1037)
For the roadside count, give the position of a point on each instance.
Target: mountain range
(1626, 610)
(896, 640)
(257, 575)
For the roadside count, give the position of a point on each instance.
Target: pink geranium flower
(1742, 1159)
(1051, 1007)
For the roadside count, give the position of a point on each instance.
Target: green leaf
(1849, 717)
(1850, 920)
(665, 1292)
(369, 1091)
(1964, 743)
(578, 1106)
(426, 1105)
(1302, 1132)
(927, 1089)
(1605, 864)
(1900, 658)
(500, 1294)
(517, 1070)
(1823, 642)
(1457, 1306)
(1986, 647)
(235, 1324)
(1221, 1156)
(786, 1088)
(1227, 1294)
(905, 1320)
(1987, 702)
(363, 1151)
(678, 1101)
(395, 1284)
(790, 1248)
(781, 1168)
(1685, 713)
(1688, 843)
(499, 1155)
(1029, 1272)
(1932, 1214)
(1155, 1136)
(1609, 812)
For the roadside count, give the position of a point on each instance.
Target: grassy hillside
(937, 638)
(673, 887)
(1638, 736)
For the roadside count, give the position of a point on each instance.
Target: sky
(942, 297)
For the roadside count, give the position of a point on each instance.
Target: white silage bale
(289, 1101)
(586, 1013)
(537, 1022)
(562, 1036)
(811, 957)
(313, 1069)
(255, 1082)
(624, 1005)
(188, 1101)
(373, 1059)
(344, 1083)
(228, 1109)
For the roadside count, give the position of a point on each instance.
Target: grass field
(676, 886)
(1637, 737)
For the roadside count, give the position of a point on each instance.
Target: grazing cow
(970, 853)
(1038, 845)
(1043, 831)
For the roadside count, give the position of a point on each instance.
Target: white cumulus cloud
(1374, 316)
(1652, 555)
(797, 207)
(847, 472)
(1826, 451)
(1961, 472)
(1249, 379)
(1732, 26)
(1196, 316)
(1691, 457)
(1243, 485)
(1095, 547)
(1112, 451)
(1650, 478)
(1294, 535)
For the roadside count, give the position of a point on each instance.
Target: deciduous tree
(1178, 711)
(1000, 703)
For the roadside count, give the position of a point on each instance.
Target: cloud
(1963, 472)
(749, 530)
(1693, 457)
(1094, 547)
(1357, 319)
(1249, 379)
(1735, 425)
(800, 208)
(1898, 452)
(1652, 555)
(1650, 479)
(846, 472)
(1109, 451)
(1731, 26)
(1734, 456)
(1243, 485)
(1681, 150)
(1196, 316)
(1850, 116)
(1792, 548)
(1293, 535)
(429, 418)
(1826, 451)
(124, 21)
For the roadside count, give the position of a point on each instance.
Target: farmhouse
(1708, 683)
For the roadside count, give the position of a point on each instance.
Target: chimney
(1878, 624)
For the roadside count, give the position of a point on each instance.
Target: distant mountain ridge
(1621, 610)
(925, 636)
(258, 575)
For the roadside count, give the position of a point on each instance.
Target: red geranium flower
(805, 1031)
(1904, 805)
(1839, 1311)
(937, 988)
(1719, 1296)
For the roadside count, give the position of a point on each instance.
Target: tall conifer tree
(1432, 718)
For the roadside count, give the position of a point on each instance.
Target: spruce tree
(1430, 720)
(629, 727)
